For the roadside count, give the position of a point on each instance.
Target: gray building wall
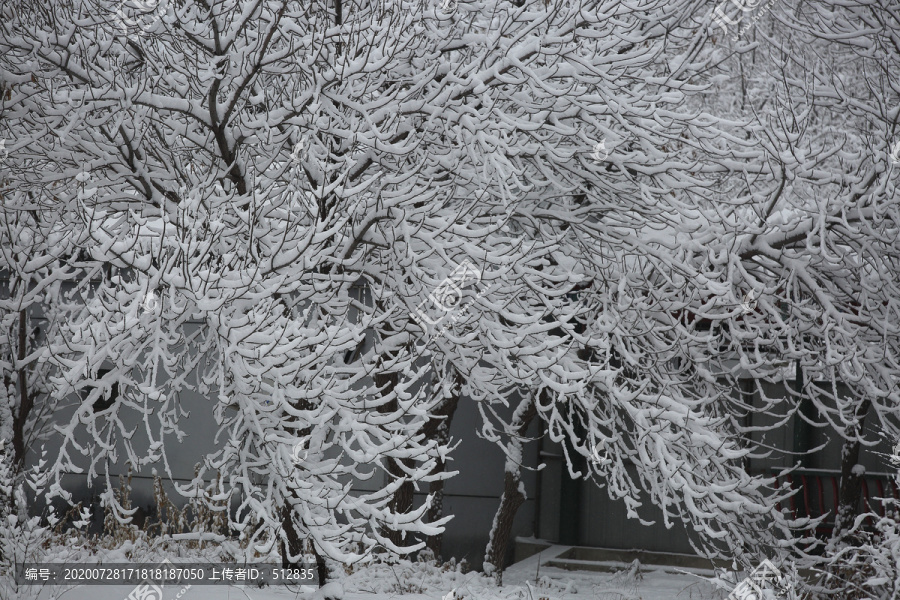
(603, 522)
(472, 496)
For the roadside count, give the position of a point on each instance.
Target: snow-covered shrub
(169, 518)
(621, 586)
(117, 520)
(392, 575)
(204, 513)
(22, 537)
(863, 564)
(207, 506)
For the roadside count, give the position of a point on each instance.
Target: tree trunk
(439, 429)
(26, 400)
(294, 542)
(851, 483)
(294, 547)
(513, 494)
(402, 501)
(321, 569)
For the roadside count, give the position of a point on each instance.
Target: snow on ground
(419, 581)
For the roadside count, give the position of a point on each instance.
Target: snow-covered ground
(418, 581)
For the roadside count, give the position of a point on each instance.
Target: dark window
(106, 400)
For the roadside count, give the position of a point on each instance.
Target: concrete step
(581, 558)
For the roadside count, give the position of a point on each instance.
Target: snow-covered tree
(334, 220)
(855, 233)
(832, 121)
(246, 164)
(33, 247)
(784, 262)
(200, 199)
